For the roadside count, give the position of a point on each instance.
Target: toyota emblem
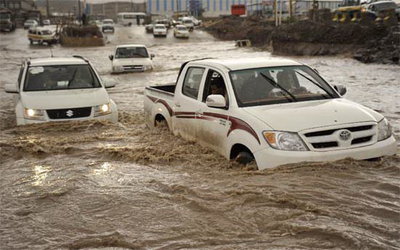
(69, 113)
(344, 135)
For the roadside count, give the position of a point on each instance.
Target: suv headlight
(34, 114)
(118, 68)
(384, 130)
(285, 141)
(103, 109)
(147, 67)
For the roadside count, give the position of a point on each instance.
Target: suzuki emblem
(344, 135)
(70, 113)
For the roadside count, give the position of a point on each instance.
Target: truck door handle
(177, 104)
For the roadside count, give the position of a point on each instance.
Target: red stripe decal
(236, 124)
(156, 100)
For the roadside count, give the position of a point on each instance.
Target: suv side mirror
(111, 57)
(109, 85)
(216, 101)
(341, 89)
(11, 88)
(152, 56)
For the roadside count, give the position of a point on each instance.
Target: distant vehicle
(7, 20)
(30, 23)
(160, 30)
(129, 18)
(166, 22)
(61, 89)
(46, 22)
(107, 25)
(149, 28)
(382, 10)
(188, 22)
(181, 31)
(195, 21)
(272, 111)
(131, 58)
(238, 9)
(98, 23)
(42, 35)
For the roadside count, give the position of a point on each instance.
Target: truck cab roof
(246, 63)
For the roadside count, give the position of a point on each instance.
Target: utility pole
(48, 8)
(291, 10)
(79, 10)
(276, 12)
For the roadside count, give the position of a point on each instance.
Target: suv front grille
(69, 113)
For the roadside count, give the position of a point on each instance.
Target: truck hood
(296, 117)
(132, 61)
(59, 99)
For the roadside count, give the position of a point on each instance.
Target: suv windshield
(57, 77)
(273, 85)
(133, 52)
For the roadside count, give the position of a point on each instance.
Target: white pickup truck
(271, 110)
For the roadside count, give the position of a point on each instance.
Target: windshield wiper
(315, 83)
(275, 84)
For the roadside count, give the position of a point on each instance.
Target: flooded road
(95, 185)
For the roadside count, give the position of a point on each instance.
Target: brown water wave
(98, 185)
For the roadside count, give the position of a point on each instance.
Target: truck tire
(244, 157)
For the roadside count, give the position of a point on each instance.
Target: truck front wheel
(241, 154)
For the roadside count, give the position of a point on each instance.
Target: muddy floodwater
(96, 185)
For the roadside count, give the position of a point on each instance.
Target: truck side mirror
(152, 56)
(111, 57)
(109, 85)
(341, 89)
(11, 88)
(216, 101)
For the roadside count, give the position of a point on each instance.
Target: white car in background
(61, 89)
(160, 30)
(131, 58)
(188, 22)
(107, 25)
(30, 23)
(181, 31)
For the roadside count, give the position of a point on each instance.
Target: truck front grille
(337, 138)
(133, 67)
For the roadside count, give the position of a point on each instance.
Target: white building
(212, 8)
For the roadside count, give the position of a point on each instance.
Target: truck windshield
(272, 85)
(132, 52)
(57, 77)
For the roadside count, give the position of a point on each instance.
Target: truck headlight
(384, 130)
(34, 114)
(285, 141)
(103, 109)
(118, 68)
(147, 67)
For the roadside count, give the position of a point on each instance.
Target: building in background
(111, 9)
(208, 8)
(60, 7)
(22, 10)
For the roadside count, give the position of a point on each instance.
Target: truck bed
(163, 89)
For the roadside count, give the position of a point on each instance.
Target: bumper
(182, 35)
(113, 117)
(269, 158)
